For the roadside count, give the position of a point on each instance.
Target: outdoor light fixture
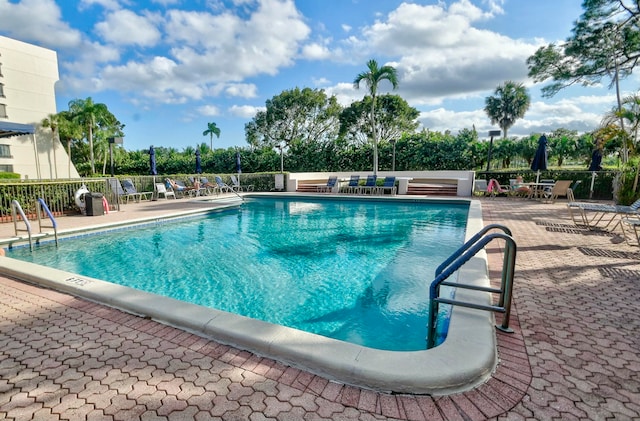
(492, 133)
(112, 140)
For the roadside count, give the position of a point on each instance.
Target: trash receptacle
(93, 204)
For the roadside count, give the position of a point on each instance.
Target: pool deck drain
(66, 358)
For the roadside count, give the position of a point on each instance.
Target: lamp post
(492, 133)
(393, 155)
(112, 140)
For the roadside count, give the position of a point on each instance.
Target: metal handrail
(40, 206)
(16, 208)
(460, 257)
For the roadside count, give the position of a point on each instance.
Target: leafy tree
(303, 115)
(93, 117)
(629, 112)
(372, 78)
(212, 129)
(563, 144)
(605, 42)
(393, 117)
(511, 102)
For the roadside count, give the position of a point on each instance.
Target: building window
(5, 151)
(6, 168)
(1, 90)
(3, 111)
(0, 69)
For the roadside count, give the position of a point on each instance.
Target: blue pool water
(351, 270)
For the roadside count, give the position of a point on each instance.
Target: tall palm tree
(511, 102)
(89, 114)
(52, 121)
(372, 78)
(212, 129)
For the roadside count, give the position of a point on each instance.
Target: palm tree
(52, 121)
(510, 103)
(212, 129)
(372, 77)
(89, 114)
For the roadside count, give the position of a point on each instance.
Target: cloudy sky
(165, 68)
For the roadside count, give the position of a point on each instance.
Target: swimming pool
(398, 371)
(357, 272)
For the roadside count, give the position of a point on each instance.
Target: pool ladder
(460, 257)
(41, 207)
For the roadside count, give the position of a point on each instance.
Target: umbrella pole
(537, 176)
(593, 181)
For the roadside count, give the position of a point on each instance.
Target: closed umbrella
(152, 161)
(539, 162)
(198, 162)
(238, 165)
(596, 160)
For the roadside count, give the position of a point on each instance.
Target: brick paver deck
(574, 354)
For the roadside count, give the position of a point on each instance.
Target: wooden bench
(433, 187)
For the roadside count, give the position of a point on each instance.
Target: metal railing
(459, 258)
(15, 210)
(42, 207)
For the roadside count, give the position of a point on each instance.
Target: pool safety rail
(41, 207)
(459, 258)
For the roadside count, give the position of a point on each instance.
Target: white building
(27, 96)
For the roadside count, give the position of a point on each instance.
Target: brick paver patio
(575, 353)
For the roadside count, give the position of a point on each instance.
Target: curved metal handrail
(469, 243)
(42, 205)
(16, 208)
(460, 257)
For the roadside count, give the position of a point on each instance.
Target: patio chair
(600, 216)
(211, 187)
(161, 189)
(222, 186)
(131, 190)
(328, 188)
(480, 188)
(560, 188)
(389, 185)
(121, 194)
(237, 187)
(494, 188)
(352, 187)
(369, 186)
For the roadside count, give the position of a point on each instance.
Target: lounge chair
(199, 188)
(237, 187)
(121, 194)
(369, 186)
(211, 187)
(560, 188)
(480, 188)
(328, 188)
(222, 186)
(597, 215)
(178, 187)
(389, 185)
(494, 188)
(131, 190)
(162, 190)
(352, 187)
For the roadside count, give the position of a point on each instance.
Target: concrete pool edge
(466, 359)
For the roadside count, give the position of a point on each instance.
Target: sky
(166, 68)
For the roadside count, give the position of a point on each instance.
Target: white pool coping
(464, 360)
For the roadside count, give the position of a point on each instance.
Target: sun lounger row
(370, 186)
(201, 187)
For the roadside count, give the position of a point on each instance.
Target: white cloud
(208, 110)
(245, 111)
(39, 21)
(124, 27)
(243, 90)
